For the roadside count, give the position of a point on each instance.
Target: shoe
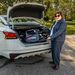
(56, 67)
(51, 62)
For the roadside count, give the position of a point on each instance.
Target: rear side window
(1, 22)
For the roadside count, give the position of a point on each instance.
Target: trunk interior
(32, 34)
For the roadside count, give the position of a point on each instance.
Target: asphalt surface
(29, 66)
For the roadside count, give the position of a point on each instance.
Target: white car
(21, 34)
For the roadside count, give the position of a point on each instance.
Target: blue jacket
(59, 31)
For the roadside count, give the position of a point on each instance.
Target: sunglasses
(57, 16)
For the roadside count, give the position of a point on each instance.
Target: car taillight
(10, 35)
(13, 54)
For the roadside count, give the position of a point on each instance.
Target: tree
(4, 5)
(49, 12)
(56, 4)
(65, 6)
(72, 14)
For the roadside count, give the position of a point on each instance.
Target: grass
(70, 26)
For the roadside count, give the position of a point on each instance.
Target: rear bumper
(29, 53)
(23, 50)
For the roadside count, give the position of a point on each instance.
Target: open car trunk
(28, 33)
(32, 34)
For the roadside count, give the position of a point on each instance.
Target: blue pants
(56, 49)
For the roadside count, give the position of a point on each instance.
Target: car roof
(3, 15)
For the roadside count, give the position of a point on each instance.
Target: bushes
(70, 29)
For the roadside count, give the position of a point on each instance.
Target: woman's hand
(48, 38)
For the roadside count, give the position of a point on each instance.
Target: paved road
(67, 63)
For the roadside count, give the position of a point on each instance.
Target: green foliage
(66, 6)
(4, 5)
(49, 12)
(70, 27)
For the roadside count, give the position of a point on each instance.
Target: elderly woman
(57, 36)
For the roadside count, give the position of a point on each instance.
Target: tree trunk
(65, 15)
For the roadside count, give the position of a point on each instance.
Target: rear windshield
(26, 22)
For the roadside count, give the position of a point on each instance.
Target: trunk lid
(31, 10)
